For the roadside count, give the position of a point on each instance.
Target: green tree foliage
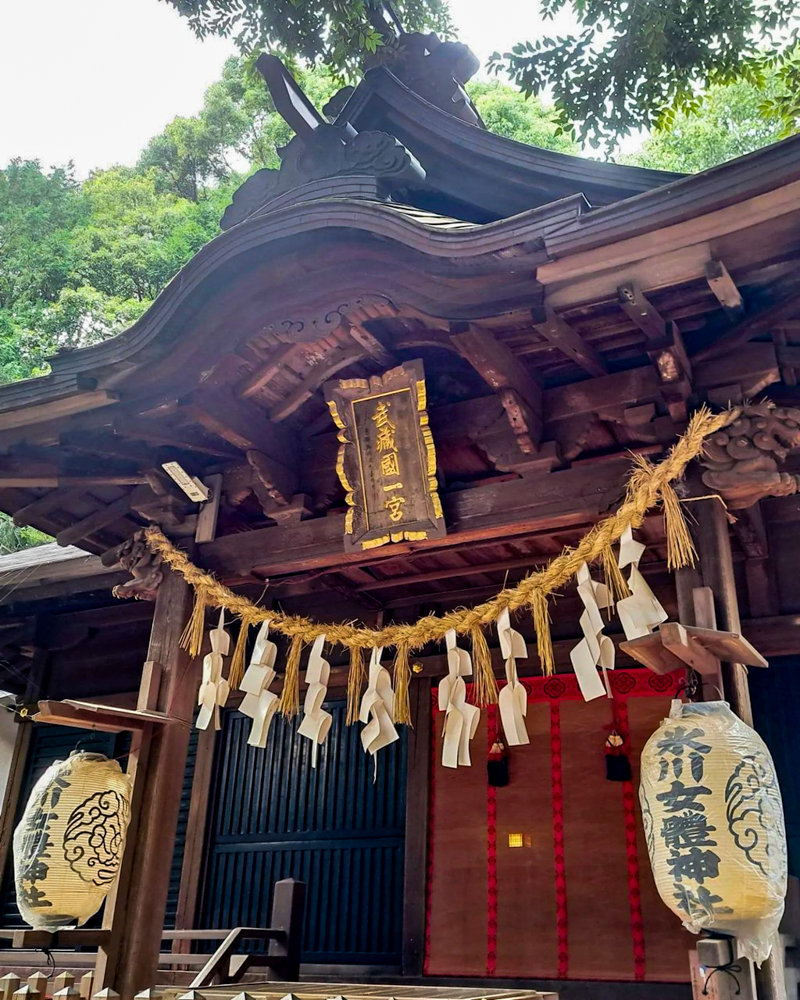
(340, 33)
(14, 539)
(637, 65)
(508, 112)
(729, 123)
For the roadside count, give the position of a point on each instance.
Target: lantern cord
(730, 969)
(51, 961)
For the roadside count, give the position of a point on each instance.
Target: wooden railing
(225, 965)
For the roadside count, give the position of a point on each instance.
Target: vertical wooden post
(415, 873)
(288, 914)
(10, 803)
(716, 569)
(191, 869)
(135, 912)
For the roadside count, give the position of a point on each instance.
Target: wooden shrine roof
(330, 280)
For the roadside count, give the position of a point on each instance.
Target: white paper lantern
(713, 820)
(69, 843)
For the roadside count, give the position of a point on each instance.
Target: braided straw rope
(645, 488)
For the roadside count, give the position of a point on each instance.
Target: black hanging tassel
(618, 767)
(497, 766)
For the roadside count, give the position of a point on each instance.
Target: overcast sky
(93, 80)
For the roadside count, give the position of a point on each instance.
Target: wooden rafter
(724, 288)
(519, 392)
(155, 432)
(240, 423)
(758, 323)
(560, 334)
(327, 368)
(361, 335)
(664, 348)
(45, 505)
(265, 372)
(95, 521)
(58, 409)
(107, 446)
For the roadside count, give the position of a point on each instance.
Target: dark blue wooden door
(273, 816)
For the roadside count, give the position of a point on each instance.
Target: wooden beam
(43, 480)
(372, 345)
(265, 372)
(415, 871)
(157, 433)
(514, 507)
(206, 530)
(456, 571)
(724, 288)
(758, 323)
(45, 505)
(107, 445)
(635, 304)
(327, 368)
(240, 423)
(273, 483)
(57, 409)
(103, 718)
(134, 911)
(664, 348)
(519, 392)
(98, 519)
(560, 334)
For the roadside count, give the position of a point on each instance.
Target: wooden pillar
(191, 870)
(135, 911)
(716, 569)
(415, 875)
(9, 804)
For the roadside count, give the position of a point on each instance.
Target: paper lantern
(69, 843)
(713, 820)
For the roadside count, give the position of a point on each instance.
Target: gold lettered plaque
(387, 460)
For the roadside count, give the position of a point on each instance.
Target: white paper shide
(316, 721)
(214, 689)
(461, 718)
(259, 703)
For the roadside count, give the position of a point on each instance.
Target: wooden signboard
(387, 460)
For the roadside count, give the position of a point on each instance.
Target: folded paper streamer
(513, 699)
(376, 710)
(316, 721)
(214, 689)
(461, 718)
(259, 703)
(641, 612)
(595, 649)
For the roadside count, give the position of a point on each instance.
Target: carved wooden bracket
(741, 463)
(145, 567)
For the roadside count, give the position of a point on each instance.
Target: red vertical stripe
(558, 839)
(631, 849)
(491, 853)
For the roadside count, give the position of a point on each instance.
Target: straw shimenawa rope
(648, 484)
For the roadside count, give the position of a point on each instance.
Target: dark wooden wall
(338, 827)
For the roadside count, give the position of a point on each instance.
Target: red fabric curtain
(576, 900)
